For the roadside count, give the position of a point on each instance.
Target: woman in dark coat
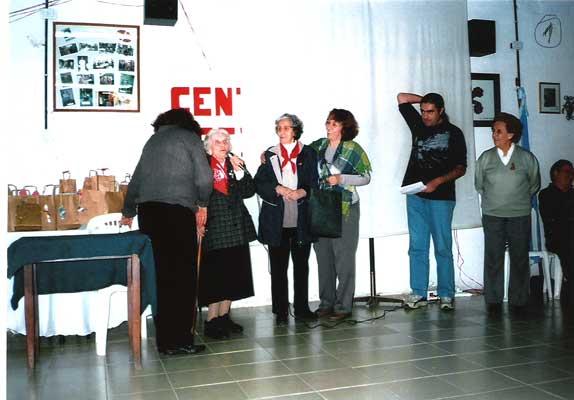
(225, 274)
(283, 182)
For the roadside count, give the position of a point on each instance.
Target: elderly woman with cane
(225, 274)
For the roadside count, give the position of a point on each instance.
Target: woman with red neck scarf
(225, 274)
(283, 182)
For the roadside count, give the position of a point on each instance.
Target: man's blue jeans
(428, 218)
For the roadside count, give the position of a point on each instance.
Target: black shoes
(494, 309)
(281, 319)
(221, 327)
(179, 350)
(214, 329)
(306, 315)
(231, 325)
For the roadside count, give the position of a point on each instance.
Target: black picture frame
(485, 93)
(549, 98)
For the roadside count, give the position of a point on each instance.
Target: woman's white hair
(210, 134)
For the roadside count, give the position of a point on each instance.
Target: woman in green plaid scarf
(343, 165)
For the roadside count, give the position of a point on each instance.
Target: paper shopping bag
(12, 193)
(92, 203)
(48, 207)
(67, 211)
(24, 210)
(114, 201)
(97, 180)
(67, 184)
(125, 183)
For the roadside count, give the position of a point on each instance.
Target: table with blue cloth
(67, 264)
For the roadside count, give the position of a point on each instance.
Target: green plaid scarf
(350, 159)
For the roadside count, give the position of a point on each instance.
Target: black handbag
(325, 213)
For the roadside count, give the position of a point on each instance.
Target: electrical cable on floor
(347, 321)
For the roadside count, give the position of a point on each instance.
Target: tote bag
(325, 213)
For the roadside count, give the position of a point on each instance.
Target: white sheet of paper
(413, 188)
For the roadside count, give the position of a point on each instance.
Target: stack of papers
(413, 188)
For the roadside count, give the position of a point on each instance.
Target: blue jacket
(271, 214)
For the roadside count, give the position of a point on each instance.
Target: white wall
(551, 135)
(83, 141)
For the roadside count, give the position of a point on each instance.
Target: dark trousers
(279, 257)
(172, 231)
(566, 255)
(498, 233)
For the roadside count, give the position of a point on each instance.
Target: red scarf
(219, 176)
(288, 159)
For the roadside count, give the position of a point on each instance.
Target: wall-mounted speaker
(160, 12)
(481, 37)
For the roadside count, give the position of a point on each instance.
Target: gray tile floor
(420, 354)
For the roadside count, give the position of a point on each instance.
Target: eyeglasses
(283, 128)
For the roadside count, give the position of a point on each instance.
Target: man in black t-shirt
(438, 158)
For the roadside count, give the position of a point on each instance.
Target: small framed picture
(549, 97)
(485, 98)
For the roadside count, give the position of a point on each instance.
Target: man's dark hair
(296, 124)
(347, 119)
(180, 117)
(438, 101)
(513, 125)
(557, 166)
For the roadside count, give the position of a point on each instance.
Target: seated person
(557, 211)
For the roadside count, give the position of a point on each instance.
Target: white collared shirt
(506, 158)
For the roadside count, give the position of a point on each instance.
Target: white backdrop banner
(240, 64)
(309, 57)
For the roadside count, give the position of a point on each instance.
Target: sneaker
(446, 304)
(414, 301)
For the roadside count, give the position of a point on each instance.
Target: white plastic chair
(550, 263)
(110, 223)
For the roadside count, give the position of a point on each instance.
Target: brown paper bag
(67, 211)
(115, 201)
(92, 203)
(96, 202)
(101, 182)
(67, 184)
(124, 184)
(48, 206)
(28, 216)
(12, 193)
(24, 212)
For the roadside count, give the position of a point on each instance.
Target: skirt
(225, 274)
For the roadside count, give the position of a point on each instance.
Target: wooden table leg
(134, 308)
(31, 314)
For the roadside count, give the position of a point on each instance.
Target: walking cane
(199, 241)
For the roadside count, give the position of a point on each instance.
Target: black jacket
(557, 212)
(271, 214)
